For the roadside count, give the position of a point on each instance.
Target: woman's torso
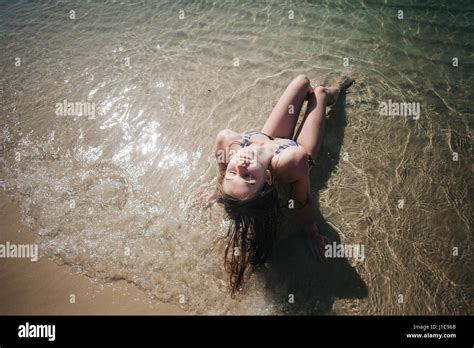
(284, 152)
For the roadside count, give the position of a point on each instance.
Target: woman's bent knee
(301, 80)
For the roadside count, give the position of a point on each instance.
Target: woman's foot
(332, 93)
(327, 95)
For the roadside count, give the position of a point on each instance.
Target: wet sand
(45, 287)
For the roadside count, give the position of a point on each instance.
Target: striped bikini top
(280, 148)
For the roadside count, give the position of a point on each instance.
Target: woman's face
(246, 174)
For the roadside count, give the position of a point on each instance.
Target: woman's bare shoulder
(225, 137)
(292, 164)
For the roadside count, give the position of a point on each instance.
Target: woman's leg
(281, 122)
(310, 132)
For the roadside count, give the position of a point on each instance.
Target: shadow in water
(292, 269)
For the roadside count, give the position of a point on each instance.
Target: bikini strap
(245, 139)
(281, 147)
(247, 135)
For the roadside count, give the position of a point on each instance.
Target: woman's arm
(307, 214)
(221, 146)
(306, 210)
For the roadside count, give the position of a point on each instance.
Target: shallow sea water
(111, 195)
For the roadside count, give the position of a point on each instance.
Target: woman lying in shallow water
(249, 165)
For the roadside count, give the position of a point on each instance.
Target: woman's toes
(328, 93)
(333, 93)
(332, 90)
(320, 90)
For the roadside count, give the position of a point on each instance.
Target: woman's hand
(204, 199)
(317, 242)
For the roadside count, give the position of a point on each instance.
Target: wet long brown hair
(251, 234)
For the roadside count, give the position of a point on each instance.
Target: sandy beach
(45, 287)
